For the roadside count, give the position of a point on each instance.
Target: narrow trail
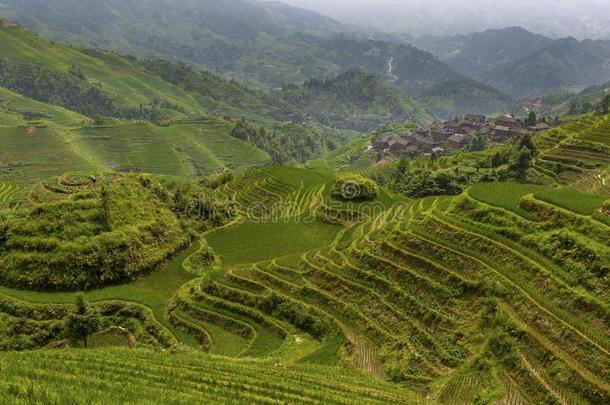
(390, 72)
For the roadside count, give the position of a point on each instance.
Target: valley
(244, 202)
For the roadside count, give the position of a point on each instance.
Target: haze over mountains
(268, 44)
(271, 44)
(554, 18)
(523, 64)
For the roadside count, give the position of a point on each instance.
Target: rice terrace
(178, 230)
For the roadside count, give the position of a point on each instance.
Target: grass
(505, 195)
(252, 242)
(182, 149)
(410, 301)
(581, 203)
(109, 376)
(154, 290)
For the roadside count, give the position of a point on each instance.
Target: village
(455, 135)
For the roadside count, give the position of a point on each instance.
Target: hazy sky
(580, 18)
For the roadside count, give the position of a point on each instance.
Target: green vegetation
(83, 322)
(293, 292)
(353, 100)
(355, 188)
(83, 232)
(83, 376)
(220, 278)
(255, 242)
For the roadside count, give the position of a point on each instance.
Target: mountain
(268, 44)
(81, 109)
(523, 64)
(553, 18)
(477, 54)
(566, 65)
(568, 103)
(355, 100)
(264, 42)
(459, 97)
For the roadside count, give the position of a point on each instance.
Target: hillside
(566, 65)
(477, 54)
(264, 43)
(353, 100)
(114, 228)
(39, 140)
(254, 219)
(523, 64)
(181, 378)
(390, 286)
(458, 97)
(582, 102)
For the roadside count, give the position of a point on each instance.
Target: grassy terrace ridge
(500, 293)
(577, 155)
(110, 376)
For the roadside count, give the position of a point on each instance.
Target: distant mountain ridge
(523, 64)
(268, 44)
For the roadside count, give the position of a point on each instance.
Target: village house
(475, 118)
(382, 142)
(423, 143)
(440, 134)
(542, 126)
(452, 127)
(508, 121)
(502, 133)
(459, 141)
(399, 146)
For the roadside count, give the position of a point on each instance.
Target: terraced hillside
(38, 140)
(500, 293)
(577, 155)
(8, 191)
(109, 376)
(395, 294)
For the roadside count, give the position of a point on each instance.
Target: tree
(521, 163)
(531, 119)
(478, 143)
(83, 322)
(403, 166)
(497, 160)
(525, 141)
(604, 105)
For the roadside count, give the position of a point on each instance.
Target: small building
(423, 143)
(502, 133)
(539, 127)
(440, 134)
(398, 146)
(508, 121)
(438, 151)
(382, 142)
(475, 118)
(452, 127)
(459, 141)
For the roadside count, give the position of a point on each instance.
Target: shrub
(355, 188)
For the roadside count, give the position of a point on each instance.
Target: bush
(355, 188)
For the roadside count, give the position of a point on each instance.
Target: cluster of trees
(68, 90)
(353, 100)
(354, 187)
(604, 105)
(417, 180)
(289, 143)
(583, 107)
(108, 234)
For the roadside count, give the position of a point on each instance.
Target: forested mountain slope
(523, 64)
(265, 43)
